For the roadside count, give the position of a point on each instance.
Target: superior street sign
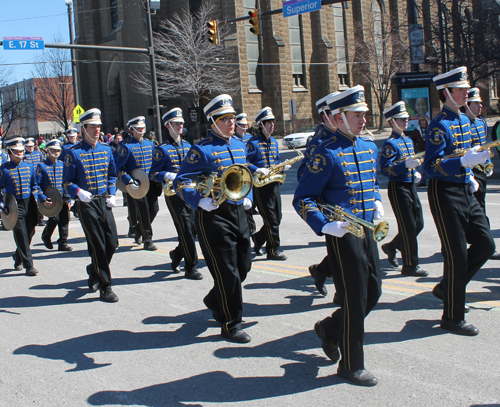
(295, 7)
(31, 43)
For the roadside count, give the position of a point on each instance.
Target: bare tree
(187, 64)
(378, 58)
(54, 87)
(469, 35)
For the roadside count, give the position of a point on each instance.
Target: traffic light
(254, 21)
(212, 32)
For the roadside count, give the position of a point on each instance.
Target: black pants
(357, 276)
(480, 194)
(408, 210)
(268, 201)
(61, 220)
(183, 216)
(99, 226)
(24, 230)
(459, 221)
(142, 212)
(225, 242)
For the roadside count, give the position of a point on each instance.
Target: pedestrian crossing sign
(77, 111)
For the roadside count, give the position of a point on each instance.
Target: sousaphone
(9, 214)
(55, 197)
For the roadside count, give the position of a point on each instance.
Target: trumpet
(486, 168)
(462, 152)
(355, 227)
(419, 157)
(276, 172)
(235, 183)
(168, 188)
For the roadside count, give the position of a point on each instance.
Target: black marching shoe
(176, 260)
(257, 248)
(31, 271)
(108, 295)
(48, 244)
(93, 285)
(360, 377)
(459, 327)
(17, 266)
(193, 274)
(437, 292)
(277, 255)
(64, 248)
(138, 238)
(391, 255)
(150, 246)
(329, 346)
(495, 256)
(212, 306)
(239, 336)
(319, 279)
(414, 271)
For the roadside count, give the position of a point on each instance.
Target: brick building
(300, 58)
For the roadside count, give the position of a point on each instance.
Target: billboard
(417, 101)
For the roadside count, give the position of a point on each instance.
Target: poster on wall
(417, 102)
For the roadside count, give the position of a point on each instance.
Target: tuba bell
(235, 183)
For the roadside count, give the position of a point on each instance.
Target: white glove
(287, 167)
(1, 207)
(473, 185)
(206, 204)
(134, 184)
(84, 196)
(474, 157)
(412, 163)
(417, 177)
(247, 204)
(169, 175)
(111, 201)
(490, 174)
(335, 228)
(378, 211)
(263, 171)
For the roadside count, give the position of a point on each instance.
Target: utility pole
(441, 35)
(73, 59)
(154, 83)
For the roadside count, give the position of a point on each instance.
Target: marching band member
(167, 160)
(397, 163)
(263, 153)
(222, 230)
(90, 174)
(50, 173)
(136, 152)
(323, 132)
(33, 157)
(18, 178)
(342, 171)
(466, 240)
(71, 135)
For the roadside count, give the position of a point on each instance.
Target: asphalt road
(61, 346)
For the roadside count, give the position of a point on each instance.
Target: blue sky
(31, 18)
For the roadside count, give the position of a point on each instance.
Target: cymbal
(120, 185)
(141, 177)
(57, 203)
(9, 215)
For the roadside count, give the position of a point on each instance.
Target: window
(113, 5)
(493, 87)
(296, 51)
(340, 43)
(253, 50)
(378, 35)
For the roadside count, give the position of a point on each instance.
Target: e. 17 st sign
(31, 43)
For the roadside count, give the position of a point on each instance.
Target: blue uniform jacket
(34, 157)
(91, 168)
(213, 154)
(131, 154)
(64, 149)
(343, 172)
(3, 158)
(479, 132)
(321, 134)
(18, 179)
(396, 147)
(49, 174)
(262, 152)
(448, 132)
(168, 157)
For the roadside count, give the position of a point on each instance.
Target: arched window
(340, 43)
(296, 51)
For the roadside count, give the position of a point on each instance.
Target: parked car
(301, 138)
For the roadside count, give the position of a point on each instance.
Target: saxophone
(276, 172)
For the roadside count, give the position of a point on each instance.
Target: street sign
(295, 7)
(77, 112)
(31, 43)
